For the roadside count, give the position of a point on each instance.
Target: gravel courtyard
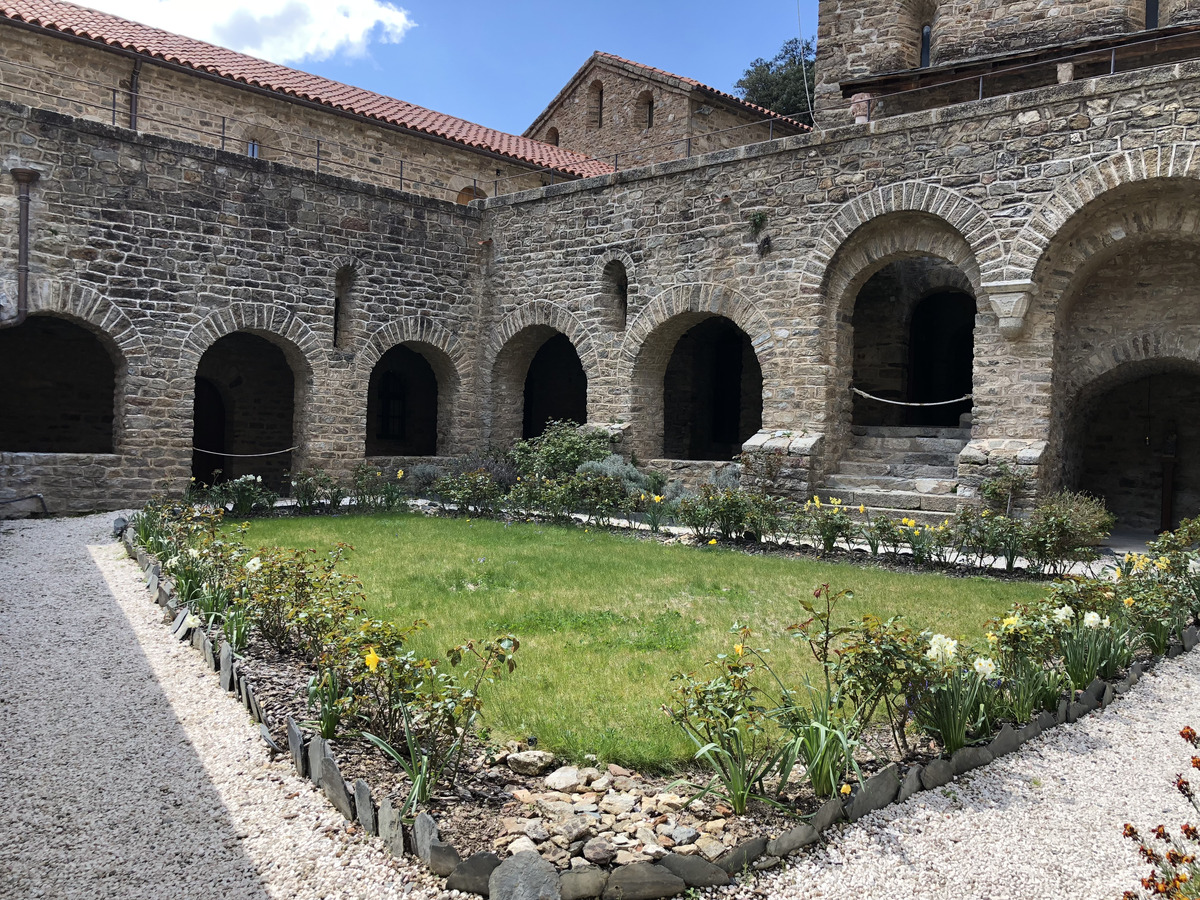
(127, 773)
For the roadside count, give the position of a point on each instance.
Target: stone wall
(618, 130)
(856, 38)
(78, 80)
(257, 250)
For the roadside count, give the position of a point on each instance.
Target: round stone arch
(1027, 254)
(278, 325)
(965, 218)
(510, 352)
(445, 355)
(85, 306)
(650, 342)
(886, 239)
(615, 283)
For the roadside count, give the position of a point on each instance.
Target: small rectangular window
(252, 149)
(1151, 13)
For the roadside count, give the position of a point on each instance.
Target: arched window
(615, 282)
(469, 193)
(343, 281)
(646, 104)
(1151, 14)
(596, 105)
(926, 44)
(552, 136)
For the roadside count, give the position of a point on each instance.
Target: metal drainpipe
(133, 95)
(24, 178)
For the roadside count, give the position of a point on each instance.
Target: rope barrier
(902, 403)
(243, 455)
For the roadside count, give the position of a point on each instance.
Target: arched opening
(595, 108)
(552, 136)
(60, 389)
(926, 45)
(343, 282)
(646, 105)
(1134, 440)
(913, 324)
(402, 405)
(615, 290)
(469, 193)
(712, 392)
(248, 384)
(941, 353)
(555, 387)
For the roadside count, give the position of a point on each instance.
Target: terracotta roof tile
(90, 24)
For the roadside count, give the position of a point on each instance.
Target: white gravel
(126, 772)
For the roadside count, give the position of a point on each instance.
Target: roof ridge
(146, 40)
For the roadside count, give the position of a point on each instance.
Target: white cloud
(283, 31)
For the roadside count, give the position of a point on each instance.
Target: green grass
(606, 619)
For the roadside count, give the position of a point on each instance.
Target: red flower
(1189, 735)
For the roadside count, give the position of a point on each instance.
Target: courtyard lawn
(606, 619)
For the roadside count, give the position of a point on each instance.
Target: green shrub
(474, 492)
(1066, 528)
(559, 451)
(245, 496)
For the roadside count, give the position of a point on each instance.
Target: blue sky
(498, 64)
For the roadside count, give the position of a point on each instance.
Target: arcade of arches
(402, 405)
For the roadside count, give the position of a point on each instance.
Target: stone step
(848, 481)
(899, 470)
(895, 500)
(858, 455)
(921, 517)
(958, 434)
(908, 444)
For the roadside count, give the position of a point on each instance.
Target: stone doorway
(402, 405)
(60, 393)
(712, 393)
(1134, 440)
(250, 386)
(555, 387)
(914, 324)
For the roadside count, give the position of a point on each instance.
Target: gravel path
(125, 772)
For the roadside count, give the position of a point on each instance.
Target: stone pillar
(782, 463)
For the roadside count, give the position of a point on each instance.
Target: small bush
(559, 451)
(1066, 528)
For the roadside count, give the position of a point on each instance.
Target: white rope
(243, 455)
(902, 403)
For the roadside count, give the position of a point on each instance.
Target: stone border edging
(527, 874)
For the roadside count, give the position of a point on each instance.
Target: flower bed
(752, 736)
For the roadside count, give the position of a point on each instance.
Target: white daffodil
(941, 649)
(984, 667)
(253, 565)
(1091, 620)
(1064, 614)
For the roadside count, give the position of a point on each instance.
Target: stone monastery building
(997, 211)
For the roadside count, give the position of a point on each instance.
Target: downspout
(24, 178)
(133, 94)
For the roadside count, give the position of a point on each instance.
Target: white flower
(192, 621)
(193, 553)
(1091, 620)
(984, 667)
(253, 565)
(1104, 623)
(941, 649)
(1064, 614)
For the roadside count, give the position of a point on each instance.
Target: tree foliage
(779, 83)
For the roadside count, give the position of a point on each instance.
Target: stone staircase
(901, 471)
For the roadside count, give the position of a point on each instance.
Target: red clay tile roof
(700, 86)
(90, 24)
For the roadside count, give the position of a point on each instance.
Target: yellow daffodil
(372, 659)
(713, 541)
(1128, 601)
(1010, 622)
(399, 473)
(845, 789)
(657, 498)
(862, 508)
(738, 649)
(991, 638)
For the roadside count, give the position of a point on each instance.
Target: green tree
(780, 83)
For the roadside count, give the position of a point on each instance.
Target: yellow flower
(862, 508)
(817, 502)
(399, 473)
(657, 498)
(1162, 564)
(738, 649)
(643, 498)
(378, 474)
(1010, 621)
(1128, 601)
(845, 789)
(713, 541)
(372, 659)
(992, 638)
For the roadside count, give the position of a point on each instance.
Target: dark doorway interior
(402, 405)
(253, 383)
(941, 356)
(555, 387)
(712, 393)
(60, 388)
(208, 433)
